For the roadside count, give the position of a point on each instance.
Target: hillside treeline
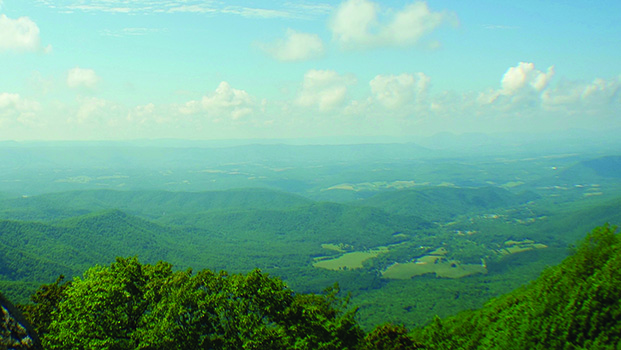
(575, 305)
(130, 305)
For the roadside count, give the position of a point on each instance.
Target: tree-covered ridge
(234, 240)
(130, 305)
(287, 241)
(147, 204)
(443, 203)
(576, 305)
(31, 251)
(603, 167)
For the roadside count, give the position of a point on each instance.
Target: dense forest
(491, 242)
(130, 305)
(408, 244)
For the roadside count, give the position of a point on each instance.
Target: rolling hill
(148, 204)
(443, 203)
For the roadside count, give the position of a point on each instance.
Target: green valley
(416, 234)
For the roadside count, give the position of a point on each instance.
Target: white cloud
(324, 89)
(599, 93)
(309, 8)
(499, 27)
(224, 102)
(412, 23)
(8, 100)
(521, 85)
(286, 10)
(92, 111)
(103, 8)
(525, 88)
(225, 96)
(602, 91)
(126, 32)
(296, 47)
(141, 114)
(395, 91)
(82, 78)
(353, 22)
(357, 23)
(14, 108)
(250, 12)
(19, 35)
(525, 75)
(199, 8)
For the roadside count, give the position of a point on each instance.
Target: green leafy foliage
(44, 303)
(572, 306)
(389, 337)
(130, 305)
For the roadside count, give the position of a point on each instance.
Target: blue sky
(118, 69)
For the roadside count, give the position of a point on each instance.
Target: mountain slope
(572, 306)
(602, 171)
(571, 223)
(143, 203)
(38, 252)
(605, 167)
(442, 203)
(317, 223)
(235, 240)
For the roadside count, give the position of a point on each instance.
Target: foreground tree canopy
(129, 305)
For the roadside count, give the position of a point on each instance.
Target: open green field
(435, 262)
(444, 269)
(349, 261)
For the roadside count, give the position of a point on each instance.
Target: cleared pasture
(348, 261)
(432, 264)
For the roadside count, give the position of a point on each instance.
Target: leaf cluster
(129, 305)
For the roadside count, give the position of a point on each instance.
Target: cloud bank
(328, 102)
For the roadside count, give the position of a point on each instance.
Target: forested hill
(36, 252)
(571, 222)
(237, 239)
(144, 203)
(442, 203)
(605, 167)
(575, 305)
(430, 203)
(598, 171)
(361, 227)
(490, 241)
